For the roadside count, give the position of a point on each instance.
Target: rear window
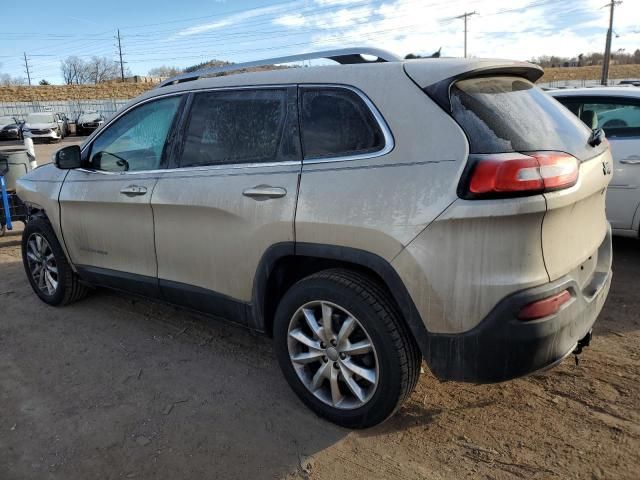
(509, 114)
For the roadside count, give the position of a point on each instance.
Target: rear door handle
(133, 190)
(264, 192)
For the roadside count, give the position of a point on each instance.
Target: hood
(40, 126)
(89, 118)
(8, 125)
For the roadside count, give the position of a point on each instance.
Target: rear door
(230, 196)
(619, 117)
(106, 214)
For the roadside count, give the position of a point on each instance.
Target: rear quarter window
(502, 114)
(336, 122)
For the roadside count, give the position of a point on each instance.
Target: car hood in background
(40, 126)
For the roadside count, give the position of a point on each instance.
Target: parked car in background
(364, 216)
(88, 122)
(43, 126)
(635, 83)
(617, 111)
(10, 128)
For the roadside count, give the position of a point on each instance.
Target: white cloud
(291, 20)
(517, 31)
(234, 19)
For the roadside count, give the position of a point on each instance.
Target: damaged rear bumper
(502, 347)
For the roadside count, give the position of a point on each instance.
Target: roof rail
(343, 56)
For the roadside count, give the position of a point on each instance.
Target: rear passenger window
(235, 127)
(336, 122)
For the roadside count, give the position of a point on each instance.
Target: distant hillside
(589, 73)
(45, 93)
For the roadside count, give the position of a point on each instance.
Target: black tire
(69, 289)
(398, 355)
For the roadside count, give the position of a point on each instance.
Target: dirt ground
(117, 387)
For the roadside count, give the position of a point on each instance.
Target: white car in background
(617, 111)
(43, 125)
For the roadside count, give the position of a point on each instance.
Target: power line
(607, 49)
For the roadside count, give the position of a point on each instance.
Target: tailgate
(575, 223)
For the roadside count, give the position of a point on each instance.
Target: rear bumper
(501, 347)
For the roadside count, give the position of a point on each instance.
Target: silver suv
(365, 215)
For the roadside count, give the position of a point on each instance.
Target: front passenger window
(135, 141)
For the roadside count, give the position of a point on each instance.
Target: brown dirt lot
(117, 387)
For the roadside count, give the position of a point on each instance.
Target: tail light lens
(516, 174)
(545, 307)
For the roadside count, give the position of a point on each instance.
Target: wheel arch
(283, 264)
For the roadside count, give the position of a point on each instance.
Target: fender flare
(381, 267)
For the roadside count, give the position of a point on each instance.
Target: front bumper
(502, 347)
(53, 135)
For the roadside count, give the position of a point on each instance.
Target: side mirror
(68, 157)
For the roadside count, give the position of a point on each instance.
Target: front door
(106, 208)
(231, 195)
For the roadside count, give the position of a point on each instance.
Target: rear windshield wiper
(596, 137)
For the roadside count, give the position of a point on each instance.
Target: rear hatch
(522, 142)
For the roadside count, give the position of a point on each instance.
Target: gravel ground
(117, 387)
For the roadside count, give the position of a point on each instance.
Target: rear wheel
(46, 266)
(344, 349)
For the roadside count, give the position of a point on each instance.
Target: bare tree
(7, 80)
(74, 70)
(101, 69)
(96, 70)
(164, 71)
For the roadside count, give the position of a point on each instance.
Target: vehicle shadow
(118, 387)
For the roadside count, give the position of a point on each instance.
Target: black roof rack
(343, 56)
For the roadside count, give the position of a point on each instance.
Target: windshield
(6, 120)
(40, 118)
(509, 114)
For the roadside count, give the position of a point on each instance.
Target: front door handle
(264, 192)
(133, 190)
(631, 160)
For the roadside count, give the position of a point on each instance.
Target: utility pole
(607, 49)
(120, 53)
(26, 64)
(464, 16)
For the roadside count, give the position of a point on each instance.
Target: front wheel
(344, 349)
(46, 266)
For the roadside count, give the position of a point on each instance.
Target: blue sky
(185, 32)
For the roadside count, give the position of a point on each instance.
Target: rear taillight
(516, 174)
(545, 307)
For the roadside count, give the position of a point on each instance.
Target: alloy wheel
(333, 355)
(42, 264)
